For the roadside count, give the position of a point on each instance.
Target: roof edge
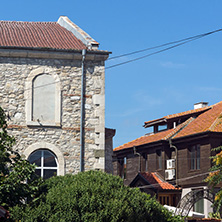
(65, 22)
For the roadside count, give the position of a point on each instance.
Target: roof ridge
(189, 111)
(184, 125)
(213, 125)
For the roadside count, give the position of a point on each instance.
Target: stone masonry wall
(14, 72)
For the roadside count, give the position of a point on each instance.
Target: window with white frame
(46, 163)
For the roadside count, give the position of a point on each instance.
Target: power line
(162, 50)
(182, 42)
(165, 44)
(178, 180)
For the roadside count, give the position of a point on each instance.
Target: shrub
(14, 171)
(92, 196)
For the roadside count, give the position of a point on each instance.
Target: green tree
(215, 178)
(18, 182)
(92, 196)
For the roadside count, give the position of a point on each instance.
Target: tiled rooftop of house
(157, 182)
(38, 35)
(209, 119)
(164, 135)
(178, 115)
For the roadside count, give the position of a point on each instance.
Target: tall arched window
(43, 98)
(46, 163)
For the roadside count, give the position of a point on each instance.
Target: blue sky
(156, 86)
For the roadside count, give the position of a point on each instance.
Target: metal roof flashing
(90, 43)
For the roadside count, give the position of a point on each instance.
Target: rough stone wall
(14, 73)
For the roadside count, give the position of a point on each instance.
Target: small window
(162, 127)
(46, 163)
(159, 159)
(195, 157)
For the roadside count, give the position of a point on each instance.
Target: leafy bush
(214, 180)
(91, 196)
(14, 171)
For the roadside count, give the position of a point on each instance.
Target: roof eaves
(192, 135)
(153, 122)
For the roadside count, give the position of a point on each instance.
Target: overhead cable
(165, 44)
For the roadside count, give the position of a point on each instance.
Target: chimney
(200, 105)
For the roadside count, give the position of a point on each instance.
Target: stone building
(52, 87)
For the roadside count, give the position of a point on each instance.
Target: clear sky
(156, 86)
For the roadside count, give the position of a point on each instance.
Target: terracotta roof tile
(207, 121)
(177, 115)
(37, 35)
(164, 135)
(145, 139)
(157, 182)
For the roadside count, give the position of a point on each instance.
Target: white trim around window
(29, 97)
(48, 146)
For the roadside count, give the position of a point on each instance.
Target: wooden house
(177, 151)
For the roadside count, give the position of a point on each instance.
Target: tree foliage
(92, 196)
(18, 182)
(215, 178)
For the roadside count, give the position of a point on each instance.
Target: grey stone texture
(15, 70)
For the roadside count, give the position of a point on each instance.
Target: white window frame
(42, 167)
(52, 148)
(29, 97)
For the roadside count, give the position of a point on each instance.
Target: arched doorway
(187, 202)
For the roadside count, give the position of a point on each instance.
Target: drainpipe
(82, 113)
(174, 147)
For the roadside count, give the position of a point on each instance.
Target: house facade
(178, 151)
(53, 91)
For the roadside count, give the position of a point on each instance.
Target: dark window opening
(195, 157)
(159, 159)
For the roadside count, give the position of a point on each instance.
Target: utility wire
(186, 40)
(178, 180)
(162, 50)
(165, 44)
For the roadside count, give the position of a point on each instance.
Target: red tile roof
(208, 121)
(177, 115)
(145, 139)
(164, 135)
(37, 35)
(157, 182)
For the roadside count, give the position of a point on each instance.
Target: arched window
(43, 98)
(46, 163)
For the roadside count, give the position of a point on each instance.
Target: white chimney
(200, 105)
